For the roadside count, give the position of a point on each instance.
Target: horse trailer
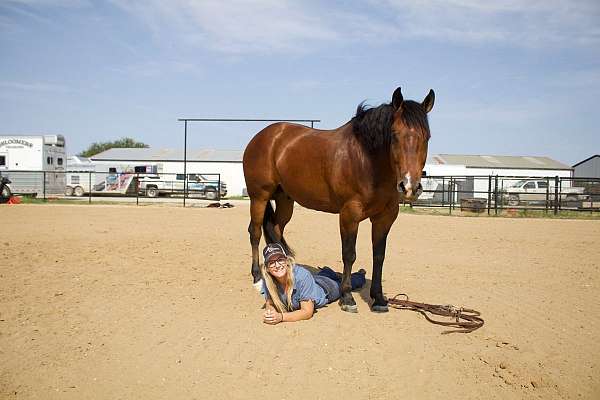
(35, 164)
(85, 175)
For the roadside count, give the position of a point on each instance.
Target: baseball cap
(273, 251)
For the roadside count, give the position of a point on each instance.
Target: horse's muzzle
(409, 195)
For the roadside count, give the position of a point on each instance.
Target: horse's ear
(429, 100)
(397, 98)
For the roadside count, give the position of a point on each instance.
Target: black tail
(268, 225)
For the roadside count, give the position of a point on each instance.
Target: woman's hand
(272, 317)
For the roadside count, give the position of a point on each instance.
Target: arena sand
(123, 302)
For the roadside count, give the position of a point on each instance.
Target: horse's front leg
(380, 227)
(348, 231)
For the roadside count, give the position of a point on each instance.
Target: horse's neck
(373, 167)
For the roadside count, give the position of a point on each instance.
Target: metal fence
(492, 194)
(140, 187)
(495, 194)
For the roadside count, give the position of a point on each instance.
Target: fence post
(559, 193)
(556, 195)
(219, 189)
(547, 194)
(496, 195)
(44, 185)
(90, 187)
(443, 189)
(451, 199)
(489, 205)
(137, 189)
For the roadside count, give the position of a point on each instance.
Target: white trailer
(85, 175)
(35, 164)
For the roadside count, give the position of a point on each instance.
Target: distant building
(588, 168)
(471, 173)
(460, 164)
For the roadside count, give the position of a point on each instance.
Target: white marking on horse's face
(407, 182)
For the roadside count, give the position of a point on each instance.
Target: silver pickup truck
(155, 185)
(538, 190)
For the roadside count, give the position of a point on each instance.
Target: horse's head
(410, 135)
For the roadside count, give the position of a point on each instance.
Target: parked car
(156, 185)
(538, 190)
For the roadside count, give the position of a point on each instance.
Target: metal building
(588, 168)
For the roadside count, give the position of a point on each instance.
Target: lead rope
(466, 320)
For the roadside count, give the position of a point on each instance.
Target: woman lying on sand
(292, 293)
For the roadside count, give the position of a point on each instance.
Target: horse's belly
(315, 204)
(313, 196)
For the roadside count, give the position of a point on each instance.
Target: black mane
(373, 126)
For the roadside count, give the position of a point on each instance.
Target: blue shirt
(305, 289)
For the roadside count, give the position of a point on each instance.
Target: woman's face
(278, 268)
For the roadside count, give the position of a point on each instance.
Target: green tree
(99, 147)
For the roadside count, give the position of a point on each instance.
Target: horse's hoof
(380, 308)
(258, 286)
(351, 308)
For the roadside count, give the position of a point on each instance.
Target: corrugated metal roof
(483, 161)
(149, 154)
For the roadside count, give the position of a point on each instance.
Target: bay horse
(360, 170)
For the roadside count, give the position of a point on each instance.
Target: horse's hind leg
(257, 212)
(284, 208)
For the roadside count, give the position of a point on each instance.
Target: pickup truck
(155, 185)
(536, 190)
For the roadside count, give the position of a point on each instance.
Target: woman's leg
(357, 279)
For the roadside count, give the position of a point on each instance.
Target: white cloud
(238, 27)
(234, 27)
(518, 23)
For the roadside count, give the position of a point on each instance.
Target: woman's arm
(306, 311)
(273, 317)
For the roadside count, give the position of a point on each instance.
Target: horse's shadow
(364, 291)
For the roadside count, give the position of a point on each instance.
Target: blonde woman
(292, 293)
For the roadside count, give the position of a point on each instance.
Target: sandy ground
(124, 302)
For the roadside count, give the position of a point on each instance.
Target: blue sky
(511, 77)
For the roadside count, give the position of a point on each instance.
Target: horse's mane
(373, 126)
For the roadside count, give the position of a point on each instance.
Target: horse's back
(259, 157)
(294, 157)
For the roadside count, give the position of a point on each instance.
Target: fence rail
(493, 194)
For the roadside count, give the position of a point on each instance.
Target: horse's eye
(394, 139)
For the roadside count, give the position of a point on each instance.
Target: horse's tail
(268, 228)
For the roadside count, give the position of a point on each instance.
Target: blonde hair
(271, 285)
